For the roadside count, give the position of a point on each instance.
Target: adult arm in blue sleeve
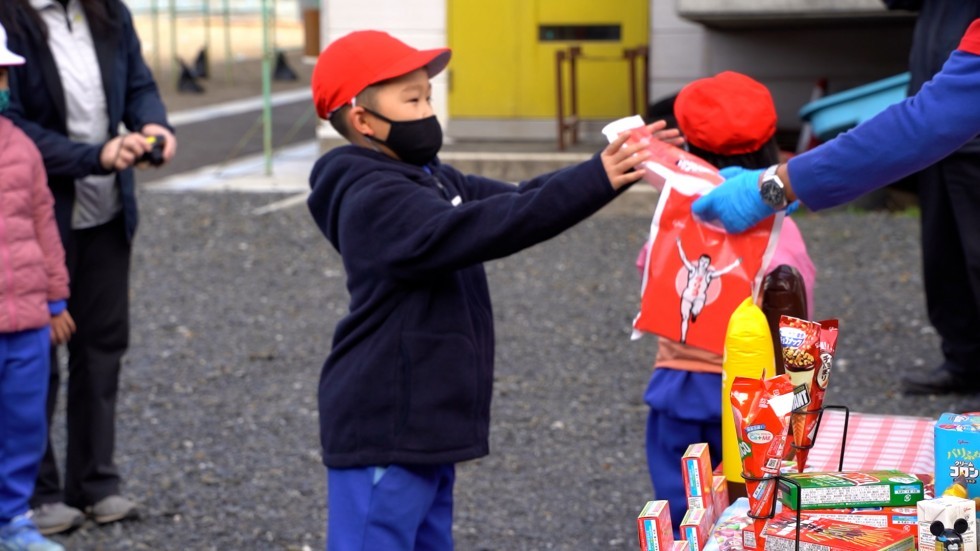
(903, 139)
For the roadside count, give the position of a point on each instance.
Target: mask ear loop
(372, 141)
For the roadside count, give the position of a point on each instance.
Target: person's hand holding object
(736, 202)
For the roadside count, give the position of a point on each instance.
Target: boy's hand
(62, 327)
(623, 164)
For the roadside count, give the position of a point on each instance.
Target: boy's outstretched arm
(623, 164)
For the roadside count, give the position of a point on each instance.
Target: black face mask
(415, 142)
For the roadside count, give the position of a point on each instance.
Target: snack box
(824, 534)
(653, 526)
(696, 466)
(898, 518)
(719, 494)
(947, 509)
(696, 527)
(751, 540)
(726, 535)
(957, 448)
(831, 490)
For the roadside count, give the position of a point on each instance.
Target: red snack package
(808, 351)
(761, 409)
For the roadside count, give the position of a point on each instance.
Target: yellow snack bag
(748, 353)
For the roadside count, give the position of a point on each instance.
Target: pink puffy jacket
(32, 260)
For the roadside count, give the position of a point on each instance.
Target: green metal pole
(207, 35)
(174, 69)
(226, 11)
(266, 88)
(155, 16)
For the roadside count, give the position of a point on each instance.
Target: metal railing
(568, 117)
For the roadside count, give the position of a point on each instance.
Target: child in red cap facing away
(405, 391)
(727, 120)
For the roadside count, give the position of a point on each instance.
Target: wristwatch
(772, 190)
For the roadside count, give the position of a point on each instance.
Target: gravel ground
(232, 314)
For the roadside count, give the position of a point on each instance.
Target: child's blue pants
(685, 409)
(24, 358)
(395, 508)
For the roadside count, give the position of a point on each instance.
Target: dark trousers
(949, 193)
(98, 264)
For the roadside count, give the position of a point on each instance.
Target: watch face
(773, 194)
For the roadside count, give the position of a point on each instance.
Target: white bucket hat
(6, 56)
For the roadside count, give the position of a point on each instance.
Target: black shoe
(939, 381)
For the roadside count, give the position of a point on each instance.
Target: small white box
(947, 509)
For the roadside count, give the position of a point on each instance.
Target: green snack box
(827, 490)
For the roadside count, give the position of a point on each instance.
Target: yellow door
(504, 66)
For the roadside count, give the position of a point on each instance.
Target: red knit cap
(362, 58)
(727, 114)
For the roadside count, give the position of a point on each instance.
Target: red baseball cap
(362, 58)
(727, 114)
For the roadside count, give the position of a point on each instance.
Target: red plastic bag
(696, 274)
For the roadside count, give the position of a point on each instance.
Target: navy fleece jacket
(409, 376)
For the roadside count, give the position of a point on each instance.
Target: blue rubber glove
(736, 202)
(792, 207)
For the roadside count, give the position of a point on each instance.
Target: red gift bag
(695, 274)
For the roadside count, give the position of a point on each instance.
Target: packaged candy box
(831, 490)
(957, 448)
(653, 526)
(824, 534)
(947, 510)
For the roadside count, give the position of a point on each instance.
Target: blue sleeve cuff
(56, 307)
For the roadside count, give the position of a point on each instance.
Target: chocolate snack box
(904, 519)
(654, 528)
(695, 529)
(832, 490)
(696, 467)
(823, 534)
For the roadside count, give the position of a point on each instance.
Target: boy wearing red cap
(727, 120)
(405, 391)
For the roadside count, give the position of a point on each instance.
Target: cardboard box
(696, 466)
(904, 519)
(653, 527)
(947, 509)
(750, 540)
(958, 451)
(823, 534)
(719, 494)
(696, 527)
(833, 490)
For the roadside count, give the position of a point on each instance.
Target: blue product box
(958, 451)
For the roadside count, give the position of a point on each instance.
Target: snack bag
(761, 409)
(808, 350)
(696, 274)
(666, 161)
